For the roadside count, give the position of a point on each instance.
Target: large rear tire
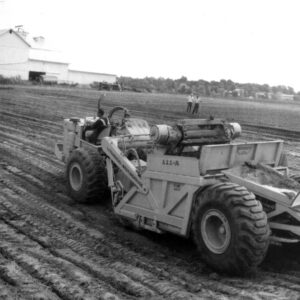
(86, 175)
(230, 228)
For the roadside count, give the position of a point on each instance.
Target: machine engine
(194, 133)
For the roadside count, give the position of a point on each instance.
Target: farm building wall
(19, 57)
(89, 77)
(59, 70)
(281, 96)
(13, 56)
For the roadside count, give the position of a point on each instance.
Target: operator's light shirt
(190, 99)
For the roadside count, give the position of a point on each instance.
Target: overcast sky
(254, 41)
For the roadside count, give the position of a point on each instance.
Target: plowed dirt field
(53, 248)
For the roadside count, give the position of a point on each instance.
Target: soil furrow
(199, 283)
(73, 244)
(16, 150)
(15, 116)
(51, 244)
(7, 292)
(120, 252)
(24, 283)
(106, 263)
(68, 284)
(36, 141)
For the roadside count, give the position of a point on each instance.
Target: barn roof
(47, 55)
(4, 31)
(89, 72)
(38, 51)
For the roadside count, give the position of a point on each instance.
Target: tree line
(201, 87)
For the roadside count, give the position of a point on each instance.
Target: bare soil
(54, 248)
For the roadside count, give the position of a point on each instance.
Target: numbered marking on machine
(170, 162)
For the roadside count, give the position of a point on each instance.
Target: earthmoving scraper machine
(191, 180)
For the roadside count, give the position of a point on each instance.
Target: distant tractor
(106, 86)
(191, 180)
(48, 79)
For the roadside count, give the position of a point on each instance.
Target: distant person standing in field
(196, 105)
(190, 103)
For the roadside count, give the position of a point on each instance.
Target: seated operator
(97, 127)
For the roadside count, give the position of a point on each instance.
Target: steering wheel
(117, 115)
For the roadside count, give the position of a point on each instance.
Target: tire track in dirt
(284, 280)
(16, 277)
(12, 116)
(47, 236)
(67, 281)
(37, 159)
(48, 132)
(7, 292)
(117, 252)
(164, 288)
(46, 108)
(35, 207)
(211, 284)
(119, 249)
(21, 138)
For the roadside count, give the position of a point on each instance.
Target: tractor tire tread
(251, 236)
(95, 175)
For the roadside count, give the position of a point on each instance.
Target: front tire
(86, 175)
(230, 228)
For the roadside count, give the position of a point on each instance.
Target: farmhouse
(281, 96)
(28, 58)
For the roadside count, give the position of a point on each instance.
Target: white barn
(28, 58)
